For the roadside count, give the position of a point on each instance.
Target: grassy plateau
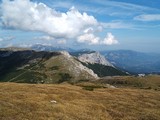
(82, 101)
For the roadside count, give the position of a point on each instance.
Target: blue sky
(94, 24)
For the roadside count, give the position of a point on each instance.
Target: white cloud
(27, 15)
(106, 7)
(117, 25)
(59, 26)
(44, 44)
(123, 7)
(88, 38)
(7, 38)
(25, 45)
(94, 40)
(62, 41)
(0, 21)
(1, 39)
(109, 40)
(9, 45)
(148, 17)
(88, 30)
(44, 38)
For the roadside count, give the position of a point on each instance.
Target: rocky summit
(94, 57)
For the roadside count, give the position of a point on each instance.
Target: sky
(77, 24)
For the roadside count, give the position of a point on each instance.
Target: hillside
(127, 60)
(68, 102)
(99, 64)
(94, 58)
(146, 82)
(41, 67)
(103, 70)
(29, 66)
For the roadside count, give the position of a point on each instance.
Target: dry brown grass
(33, 102)
(147, 82)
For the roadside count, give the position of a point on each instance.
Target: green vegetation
(64, 77)
(134, 98)
(147, 82)
(91, 86)
(54, 68)
(102, 70)
(24, 66)
(39, 67)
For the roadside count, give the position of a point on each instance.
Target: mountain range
(30, 66)
(49, 64)
(132, 61)
(40, 47)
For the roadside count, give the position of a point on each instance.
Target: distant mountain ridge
(127, 60)
(40, 47)
(132, 61)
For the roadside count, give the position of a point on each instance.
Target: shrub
(64, 77)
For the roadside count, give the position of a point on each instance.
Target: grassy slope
(33, 102)
(24, 66)
(102, 70)
(69, 66)
(147, 82)
(40, 67)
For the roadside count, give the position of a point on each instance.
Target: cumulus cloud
(88, 38)
(61, 26)
(27, 15)
(148, 17)
(109, 40)
(94, 40)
